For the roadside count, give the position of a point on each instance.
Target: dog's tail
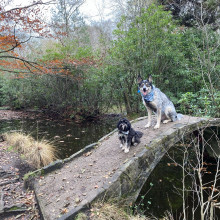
(179, 116)
(139, 133)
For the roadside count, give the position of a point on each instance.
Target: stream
(67, 137)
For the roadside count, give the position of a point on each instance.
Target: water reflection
(68, 137)
(159, 193)
(162, 191)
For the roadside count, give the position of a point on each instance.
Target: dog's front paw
(126, 150)
(165, 121)
(156, 126)
(147, 125)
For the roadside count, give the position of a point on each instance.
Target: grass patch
(107, 211)
(81, 216)
(37, 153)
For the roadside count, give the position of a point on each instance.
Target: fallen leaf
(87, 154)
(64, 211)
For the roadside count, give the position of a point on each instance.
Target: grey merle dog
(127, 135)
(156, 101)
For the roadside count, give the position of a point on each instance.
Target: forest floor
(15, 201)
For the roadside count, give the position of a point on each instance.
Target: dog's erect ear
(150, 79)
(139, 80)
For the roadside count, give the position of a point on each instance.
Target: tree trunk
(127, 103)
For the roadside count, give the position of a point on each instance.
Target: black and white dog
(127, 135)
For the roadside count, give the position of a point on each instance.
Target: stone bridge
(102, 171)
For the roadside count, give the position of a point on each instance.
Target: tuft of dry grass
(37, 153)
(41, 153)
(19, 141)
(107, 211)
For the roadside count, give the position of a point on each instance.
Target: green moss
(14, 208)
(81, 216)
(30, 174)
(33, 174)
(147, 147)
(22, 156)
(11, 148)
(42, 172)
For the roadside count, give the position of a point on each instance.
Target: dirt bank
(15, 202)
(9, 114)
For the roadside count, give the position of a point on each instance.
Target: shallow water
(68, 137)
(162, 192)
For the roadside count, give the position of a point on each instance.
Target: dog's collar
(150, 96)
(124, 132)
